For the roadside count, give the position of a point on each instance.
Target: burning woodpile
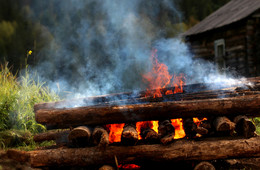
(196, 125)
(169, 122)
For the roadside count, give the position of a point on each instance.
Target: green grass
(17, 98)
(257, 124)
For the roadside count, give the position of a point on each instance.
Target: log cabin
(229, 37)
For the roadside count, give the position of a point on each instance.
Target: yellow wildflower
(29, 52)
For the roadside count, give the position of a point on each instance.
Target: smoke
(100, 47)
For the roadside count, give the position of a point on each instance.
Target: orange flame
(198, 121)
(159, 78)
(115, 131)
(178, 125)
(146, 124)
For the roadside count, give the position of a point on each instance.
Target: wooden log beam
(63, 118)
(179, 150)
(140, 95)
(60, 136)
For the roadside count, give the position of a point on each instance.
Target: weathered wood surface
(139, 96)
(129, 134)
(223, 124)
(97, 115)
(179, 150)
(100, 137)
(52, 135)
(204, 165)
(80, 136)
(244, 126)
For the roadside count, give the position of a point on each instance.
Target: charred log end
(149, 136)
(100, 137)
(244, 126)
(166, 132)
(223, 124)
(168, 139)
(129, 135)
(80, 136)
(106, 167)
(189, 127)
(204, 166)
(202, 130)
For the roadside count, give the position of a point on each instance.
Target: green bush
(17, 98)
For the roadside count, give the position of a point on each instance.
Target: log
(149, 136)
(63, 118)
(179, 150)
(166, 132)
(129, 135)
(204, 165)
(80, 136)
(106, 167)
(223, 124)
(244, 126)
(60, 137)
(189, 128)
(100, 137)
(191, 88)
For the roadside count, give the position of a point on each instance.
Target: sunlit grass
(17, 98)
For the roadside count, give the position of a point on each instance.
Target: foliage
(17, 98)
(195, 11)
(257, 123)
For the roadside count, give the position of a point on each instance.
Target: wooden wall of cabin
(241, 46)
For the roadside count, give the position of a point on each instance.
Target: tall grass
(17, 98)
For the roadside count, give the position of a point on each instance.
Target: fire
(178, 125)
(146, 124)
(129, 166)
(198, 121)
(115, 131)
(159, 78)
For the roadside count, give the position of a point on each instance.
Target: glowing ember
(129, 166)
(198, 121)
(178, 125)
(115, 131)
(146, 124)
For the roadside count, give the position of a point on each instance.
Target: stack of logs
(224, 111)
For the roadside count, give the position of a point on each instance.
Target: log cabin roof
(233, 11)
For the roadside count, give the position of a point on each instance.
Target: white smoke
(100, 47)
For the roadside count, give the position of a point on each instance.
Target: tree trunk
(179, 150)
(63, 118)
